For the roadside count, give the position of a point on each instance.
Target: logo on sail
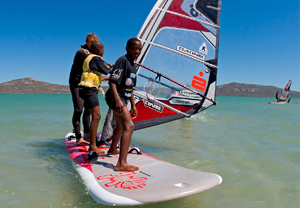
(203, 48)
(153, 106)
(190, 52)
(184, 102)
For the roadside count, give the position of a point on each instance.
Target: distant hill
(251, 90)
(33, 86)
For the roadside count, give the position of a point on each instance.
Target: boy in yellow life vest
(91, 78)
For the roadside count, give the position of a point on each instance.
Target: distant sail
(180, 41)
(284, 94)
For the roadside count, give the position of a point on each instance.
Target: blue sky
(259, 40)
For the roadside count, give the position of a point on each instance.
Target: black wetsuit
(124, 76)
(78, 102)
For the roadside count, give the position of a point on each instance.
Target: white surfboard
(156, 181)
(280, 103)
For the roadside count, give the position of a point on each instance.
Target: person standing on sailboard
(78, 102)
(91, 78)
(120, 92)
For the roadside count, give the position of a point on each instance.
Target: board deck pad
(156, 181)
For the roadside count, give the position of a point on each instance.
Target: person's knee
(96, 116)
(130, 126)
(78, 109)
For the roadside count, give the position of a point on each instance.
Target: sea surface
(253, 145)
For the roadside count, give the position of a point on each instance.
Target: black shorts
(90, 96)
(111, 102)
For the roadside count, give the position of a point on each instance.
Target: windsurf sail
(179, 60)
(284, 93)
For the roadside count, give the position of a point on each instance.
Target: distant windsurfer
(78, 102)
(91, 78)
(276, 96)
(120, 92)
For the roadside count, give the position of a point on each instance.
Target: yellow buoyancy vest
(90, 78)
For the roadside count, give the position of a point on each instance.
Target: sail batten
(181, 53)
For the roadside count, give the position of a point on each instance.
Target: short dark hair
(132, 41)
(96, 46)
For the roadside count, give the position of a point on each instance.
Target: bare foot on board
(94, 153)
(127, 167)
(100, 152)
(113, 152)
(82, 142)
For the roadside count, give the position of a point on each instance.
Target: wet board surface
(156, 181)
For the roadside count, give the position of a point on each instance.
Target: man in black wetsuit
(78, 102)
(276, 96)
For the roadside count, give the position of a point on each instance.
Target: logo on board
(124, 181)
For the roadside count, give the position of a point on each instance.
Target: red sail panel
(172, 20)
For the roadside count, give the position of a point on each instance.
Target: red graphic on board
(78, 154)
(118, 181)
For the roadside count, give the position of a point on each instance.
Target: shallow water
(254, 146)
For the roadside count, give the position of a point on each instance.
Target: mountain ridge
(34, 86)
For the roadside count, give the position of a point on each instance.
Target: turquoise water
(254, 146)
